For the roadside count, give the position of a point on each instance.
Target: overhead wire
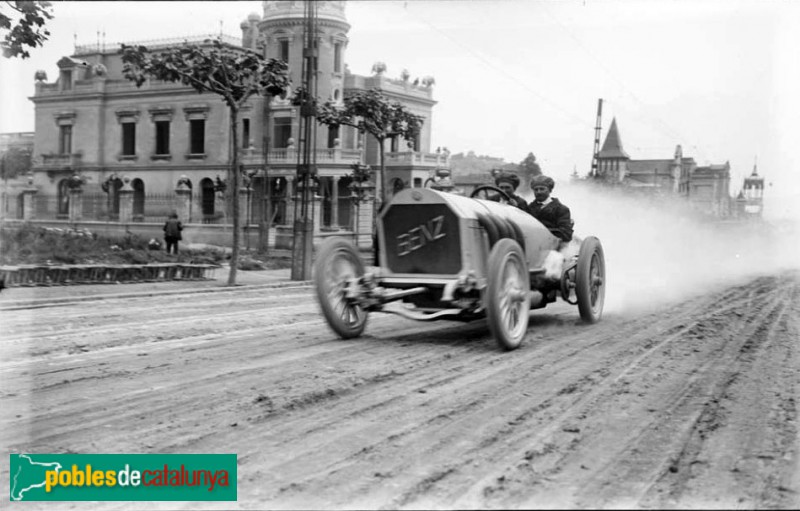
(574, 117)
(656, 122)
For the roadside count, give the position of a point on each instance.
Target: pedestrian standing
(172, 233)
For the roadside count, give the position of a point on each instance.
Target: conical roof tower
(612, 147)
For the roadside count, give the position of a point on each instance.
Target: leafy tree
(16, 161)
(372, 112)
(24, 23)
(529, 164)
(232, 73)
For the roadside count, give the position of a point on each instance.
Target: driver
(508, 183)
(549, 210)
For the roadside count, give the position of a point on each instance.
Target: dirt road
(693, 404)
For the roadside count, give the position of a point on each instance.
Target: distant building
(750, 201)
(15, 162)
(21, 140)
(93, 122)
(705, 188)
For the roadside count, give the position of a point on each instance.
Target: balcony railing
(419, 159)
(289, 155)
(61, 160)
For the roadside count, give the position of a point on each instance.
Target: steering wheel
(490, 192)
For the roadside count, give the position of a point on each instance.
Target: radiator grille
(422, 238)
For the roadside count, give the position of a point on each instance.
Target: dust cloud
(658, 251)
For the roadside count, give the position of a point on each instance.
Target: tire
(337, 262)
(590, 276)
(507, 295)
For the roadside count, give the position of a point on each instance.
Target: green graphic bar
(134, 477)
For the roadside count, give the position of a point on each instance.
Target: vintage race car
(446, 256)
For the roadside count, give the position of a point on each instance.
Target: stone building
(15, 151)
(705, 188)
(167, 147)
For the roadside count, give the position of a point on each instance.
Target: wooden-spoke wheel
(590, 280)
(508, 299)
(337, 265)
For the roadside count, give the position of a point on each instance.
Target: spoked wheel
(590, 280)
(337, 264)
(508, 300)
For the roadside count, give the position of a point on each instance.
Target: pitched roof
(650, 167)
(612, 147)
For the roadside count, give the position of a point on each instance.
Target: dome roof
(327, 9)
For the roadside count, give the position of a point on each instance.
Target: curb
(54, 302)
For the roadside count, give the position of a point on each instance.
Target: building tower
(612, 162)
(753, 195)
(279, 34)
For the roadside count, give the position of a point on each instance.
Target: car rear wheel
(590, 280)
(337, 264)
(508, 300)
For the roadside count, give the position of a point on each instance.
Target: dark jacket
(555, 216)
(521, 204)
(173, 228)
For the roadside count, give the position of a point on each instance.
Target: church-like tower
(612, 160)
(753, 192)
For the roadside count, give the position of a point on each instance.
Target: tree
(529, 165)
(16, 161)
(24, 22)
(372, 112)
(234, 74)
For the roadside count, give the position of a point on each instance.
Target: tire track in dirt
(756, 411)
(390, 455)
(674, 410)
(416, 415)
(299, 488)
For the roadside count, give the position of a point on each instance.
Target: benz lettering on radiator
(420, 236)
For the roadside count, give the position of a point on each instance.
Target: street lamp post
(306, 164)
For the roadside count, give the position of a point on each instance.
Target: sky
(720, 78)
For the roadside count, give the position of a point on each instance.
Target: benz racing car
(446, 256)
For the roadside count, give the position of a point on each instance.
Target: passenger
(508, 183)
(549, 210)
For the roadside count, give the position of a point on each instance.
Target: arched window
(138, 200)
(207, 197)
(62, 210)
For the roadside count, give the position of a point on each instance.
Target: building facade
(705, 188)
(166, 145)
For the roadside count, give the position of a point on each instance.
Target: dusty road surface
(692, 404)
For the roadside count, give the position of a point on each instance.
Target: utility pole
(597, 129)
(307, 154)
